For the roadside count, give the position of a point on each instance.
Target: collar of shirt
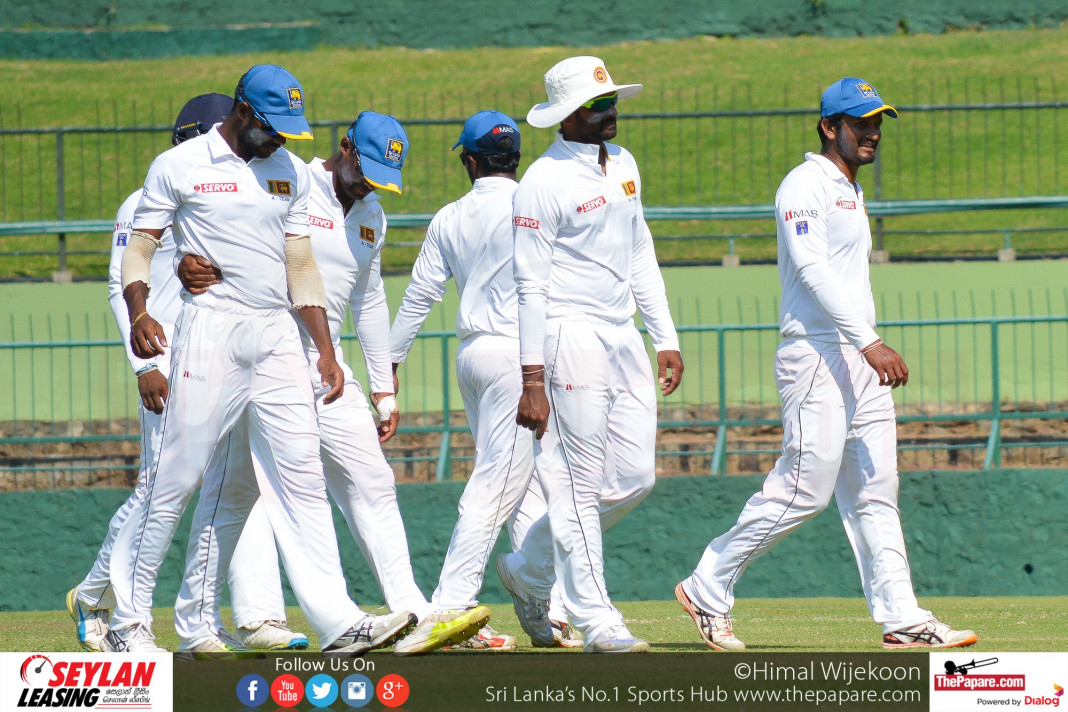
(490, 182)
(219, 148)
(827, 165)
(324, 179)
(586, 153)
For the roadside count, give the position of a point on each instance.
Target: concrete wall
(156, 28)
(995, 533)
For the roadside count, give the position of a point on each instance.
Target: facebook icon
(253, 690)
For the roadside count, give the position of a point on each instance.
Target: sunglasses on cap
(602, 103)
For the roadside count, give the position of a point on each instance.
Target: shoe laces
(488, 632)
(616, 632)
(720, 625)
(362, 631)
(271, 623)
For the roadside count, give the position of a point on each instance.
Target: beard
(257, 142)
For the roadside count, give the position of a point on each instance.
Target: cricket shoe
(564, 636)
(617, 639)
(930, 634)
(92, 622)
(715, 630)
(221, 646)
(442, 628)
(270, 635)
(533, 613)
(372, 632)
(134, 639)
(487, 639)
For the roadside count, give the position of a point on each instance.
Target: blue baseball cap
(277, 97)
(383, 145)
(854, 97)
(490, 133)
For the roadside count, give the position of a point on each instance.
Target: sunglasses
(259, 117)
(603, 103)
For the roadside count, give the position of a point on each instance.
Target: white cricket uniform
(583, 260)
(348, 250)
(236, 353)
(471, 240)
(839, 428)
(164, 303)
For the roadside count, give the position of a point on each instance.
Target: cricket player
(583, 260)
(835, 376)
(348, 231)
(91, 601)
(471, 240)
(237, 198)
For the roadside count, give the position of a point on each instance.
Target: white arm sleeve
(650, 295)
(302, 273)
(119, 239)
(370, 318)
(535, 220)
(429, 276)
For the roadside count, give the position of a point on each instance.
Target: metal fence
(980, 387)
(697, 146)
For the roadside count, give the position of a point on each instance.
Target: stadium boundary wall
(114, 29)
(991, 533)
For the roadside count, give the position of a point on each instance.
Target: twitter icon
(321, 690)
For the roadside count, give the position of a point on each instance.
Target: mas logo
(279, 187)
(367, 234)
(795, 214)
(296, 101)
(394, 150)
(630, 189)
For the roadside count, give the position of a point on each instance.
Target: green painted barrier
(991, 533)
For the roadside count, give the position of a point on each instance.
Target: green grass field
(684, 162)
(767, 625)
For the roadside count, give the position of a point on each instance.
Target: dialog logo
(253, 690)
(321, 690)
(356, 690)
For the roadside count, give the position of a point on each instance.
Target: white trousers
(487, 371)
(840, 438)
(227, 367)
(97, 589)
(603, 411)
(362, 484)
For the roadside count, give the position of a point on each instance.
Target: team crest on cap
(367, 234)
(394, 150)
(296, 100)
(866, 90)
(600, 76)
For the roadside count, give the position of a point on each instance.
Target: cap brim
(381, 176)
(547, 114)
(886, 109)
(871, 109)
(295, 128)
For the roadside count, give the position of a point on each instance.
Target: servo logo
(85, 684)
(521, 221)
(215, 187)
(317, 221)
(591, 205)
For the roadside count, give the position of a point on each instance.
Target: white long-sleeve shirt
(582, 246)
(164, 300)
(469, 240)
(348, 250)
(824, 243)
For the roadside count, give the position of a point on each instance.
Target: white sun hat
(570, 84)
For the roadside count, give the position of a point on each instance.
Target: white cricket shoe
(372, 632)
(617, 639)
(92, 622)
(716, 631)
(222, 646)
(930, 634)
(442, 628)
(270, 635)
(134, 639)
(488, 639)
(564, 636)
(533, 614)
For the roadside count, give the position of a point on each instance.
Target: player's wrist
(147, 368)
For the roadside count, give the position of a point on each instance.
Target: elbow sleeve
(137, 259)
(302, 274)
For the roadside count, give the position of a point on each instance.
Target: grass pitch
(767, 625)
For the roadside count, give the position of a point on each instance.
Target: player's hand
(146, 337)
(153, 387)
(669, 361)
(889, 365)
(534, 410)
(196, 274)
(388, 414)
(332, 377)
